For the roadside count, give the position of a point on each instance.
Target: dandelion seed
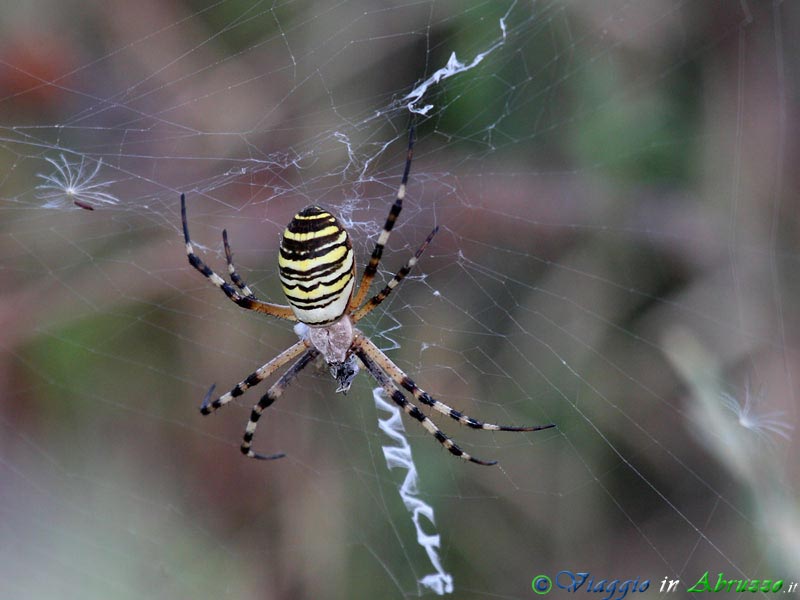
(75, 183)
(761, 423)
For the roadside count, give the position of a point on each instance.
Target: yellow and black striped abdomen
(317, 266)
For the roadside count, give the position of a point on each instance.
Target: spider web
(617, 255)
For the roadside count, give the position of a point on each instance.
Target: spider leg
(398, 277)
(256, 377)
(267, 399)
(372, 267)
(235, 278)
(400, 378)
(412, 410)
(250, 303)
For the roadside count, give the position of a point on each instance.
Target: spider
(317, 273)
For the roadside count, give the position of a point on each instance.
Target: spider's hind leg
(235, 277)
(249, 301)
(395, 281)
(372, 267)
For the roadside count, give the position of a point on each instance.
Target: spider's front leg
(267, 399)
(391, 378)
(403, 380)
(256, 377)
(413, 410)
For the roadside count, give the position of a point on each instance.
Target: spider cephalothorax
(317, 272)
(335, 343)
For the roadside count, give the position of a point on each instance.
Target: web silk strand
(399, 455)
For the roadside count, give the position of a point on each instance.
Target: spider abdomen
(317, 266)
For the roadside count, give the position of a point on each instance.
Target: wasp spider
(317, 273)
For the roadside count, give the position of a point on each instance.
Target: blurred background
(616, 188)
